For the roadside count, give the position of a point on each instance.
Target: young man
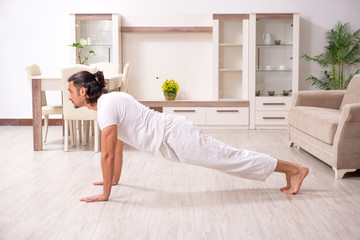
(122, 118)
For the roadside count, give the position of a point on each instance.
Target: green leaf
(341, 52)
(79, 47)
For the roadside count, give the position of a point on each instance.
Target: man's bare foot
(295, 175)
(288, 183)
(102, 183)
(295, 179)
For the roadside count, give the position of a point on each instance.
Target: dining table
(54, 83)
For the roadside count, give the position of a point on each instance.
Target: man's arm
(108, 146)
(117, 165)
(118, 162)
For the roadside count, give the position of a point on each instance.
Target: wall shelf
(230, 45)
(97, 16)
(230, 16)
(166, 29)
(229, 70)
(274, 16)
(98, 45)
(179, 103)
(274, 45)
(273, 70)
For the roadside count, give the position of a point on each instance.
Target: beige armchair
(327, 125)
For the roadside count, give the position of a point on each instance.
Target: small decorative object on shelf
(286, 92)
(267, 38)
(170, 88)
(282, 67)
(271, 93)
(79, 58)
(277, 42)
(268, 67)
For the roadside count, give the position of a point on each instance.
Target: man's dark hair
(94, 84)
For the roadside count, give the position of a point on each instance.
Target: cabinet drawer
(227, 116)
(273, 103)
(195, 114)
(271, 118)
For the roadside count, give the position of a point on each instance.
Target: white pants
(184, 142)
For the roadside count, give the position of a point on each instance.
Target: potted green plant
(340, 56)
(170, 88)
(79, 47)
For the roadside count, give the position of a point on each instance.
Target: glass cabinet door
(99, 33)
(97, 36)
(274, 55)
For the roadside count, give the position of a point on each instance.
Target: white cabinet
(273, 67)
(98, 32)
(230, 40)
(195, 114)
(273, 103)
(227, 116)
(213, 117)
(272, 112)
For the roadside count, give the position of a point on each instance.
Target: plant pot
(170, 95)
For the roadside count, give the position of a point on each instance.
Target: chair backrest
(71, 113)
(125, 78)
(107, 68)
(32, 71)
(352, 94)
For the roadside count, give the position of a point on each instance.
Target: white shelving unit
(272, 68)
(243, 62)
(230, 39)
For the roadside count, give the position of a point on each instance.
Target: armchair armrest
(347, 138)
(319, 98)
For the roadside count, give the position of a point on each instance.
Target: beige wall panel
(184, 57)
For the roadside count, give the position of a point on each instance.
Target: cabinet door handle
(273, 118)
(221, 111)
(184, 111)
(266, 104)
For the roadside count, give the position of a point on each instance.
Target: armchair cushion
(352, 94)
(321, 123)
(319, 98)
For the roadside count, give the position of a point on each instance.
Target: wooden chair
(83, 113)
(125, 78)
(34, 70)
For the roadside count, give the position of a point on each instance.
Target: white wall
(37, 32)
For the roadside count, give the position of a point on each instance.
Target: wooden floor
(159, 199)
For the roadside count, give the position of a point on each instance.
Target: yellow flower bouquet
(170, 88)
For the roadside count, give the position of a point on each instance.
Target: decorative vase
(170, 95)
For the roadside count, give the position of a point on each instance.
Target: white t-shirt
(137, 125)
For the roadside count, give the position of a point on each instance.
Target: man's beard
(75, 106)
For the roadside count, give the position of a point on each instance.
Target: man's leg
(117, 164)
(294, 173)
(186, 143)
